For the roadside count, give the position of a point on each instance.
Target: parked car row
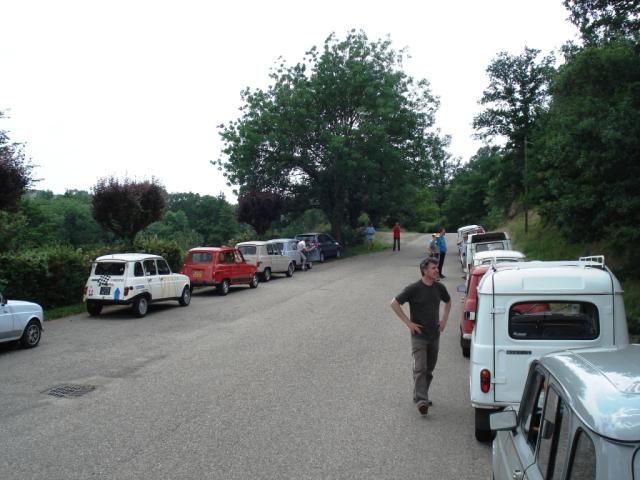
(551, 368)
(139, 279)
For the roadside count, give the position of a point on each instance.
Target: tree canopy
(605, 20)
(345, 130)
(15, 172)
(126, 207)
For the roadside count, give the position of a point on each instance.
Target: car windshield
(110, 268)
(201, 257)
(554, 320)
(247, 249)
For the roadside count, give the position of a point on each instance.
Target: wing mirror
(505, 420)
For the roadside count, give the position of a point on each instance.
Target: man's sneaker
(423, 408)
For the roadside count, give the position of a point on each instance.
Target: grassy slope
(543, 244)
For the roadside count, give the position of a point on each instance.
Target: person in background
(370, 232)
(433, 250)
(396, 236)
(302, 246)
(442, 244)
(425, 324)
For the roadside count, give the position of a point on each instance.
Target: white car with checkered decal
(135, 279)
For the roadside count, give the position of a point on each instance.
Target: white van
(498, 256)
(526, 310)
(267, 257)
(483, 242)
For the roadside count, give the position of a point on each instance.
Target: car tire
(266, 275)
(254, 281)
(466, 351)
(140, 306)
(185, 298)
(482, 430)
(31, 335)
(291, 269)
(94, 308)
(321, 257)
(223, 288)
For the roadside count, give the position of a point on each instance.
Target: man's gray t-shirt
(424, 306)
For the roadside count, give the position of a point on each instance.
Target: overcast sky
(137, 88)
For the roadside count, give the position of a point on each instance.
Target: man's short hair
(425, 263)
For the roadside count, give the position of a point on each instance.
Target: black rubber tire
(321, 257)
(31, 335)
(466, 352)
(223, 288)
(185, 298)
(291, 269)
(140, 306)
(254, 281)
(266, 275)
(482, 430)
(94, 308)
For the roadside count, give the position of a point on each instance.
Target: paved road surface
(302, 378)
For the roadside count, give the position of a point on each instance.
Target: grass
(540, 243)
(53, 313)
(378, 246)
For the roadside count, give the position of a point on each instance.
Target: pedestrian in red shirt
(396, 236)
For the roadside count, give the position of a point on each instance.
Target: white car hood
(22, 306)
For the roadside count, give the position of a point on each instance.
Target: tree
(15, 172)
(345, 130)
(589, 147)
(516, 96)
(605, 20)
(127, 207)
(259, 209)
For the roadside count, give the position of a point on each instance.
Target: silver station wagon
(579, 418)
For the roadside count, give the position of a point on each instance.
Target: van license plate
(197, 274)
(105, 290)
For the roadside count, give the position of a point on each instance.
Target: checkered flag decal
(104, 280)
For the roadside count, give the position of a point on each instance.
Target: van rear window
(110, 268)
(487, 247)
(554, 321)
(201, 257)
(247, 249)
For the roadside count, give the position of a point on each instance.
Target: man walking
(396, 236)
(442, 243)
(425, 324)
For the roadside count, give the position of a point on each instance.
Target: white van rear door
(528, 328)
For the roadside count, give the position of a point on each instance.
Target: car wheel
(94, 308)
(266, 275)
(140, 306)
(31, 335)
(483, 432)
(223, 288)
(290, 270)
(185, 298)
(254, 281)
(321, 257)
(466, 351)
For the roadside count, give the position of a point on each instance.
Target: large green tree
(345, 130)
(589, 161)
(517, 94)
(605, 20)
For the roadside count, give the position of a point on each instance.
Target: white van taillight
(84, 290)
(485, 380)
(126, 291)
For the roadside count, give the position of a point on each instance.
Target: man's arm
(445, 315)
(397, 308)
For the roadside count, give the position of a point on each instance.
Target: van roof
(468, 227)
(127, 257)
(209, 249)
(559, 278)
(255, 242)
(487, 237)
(603, 388)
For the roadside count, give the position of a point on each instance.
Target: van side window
(553, 437)
(270, 249)
(531, 410)
(149, 267)
(137, 270)
(583, 461)
(549, 320)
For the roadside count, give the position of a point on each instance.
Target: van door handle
(518, 475)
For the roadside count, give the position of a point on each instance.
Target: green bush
(168, 249)
(51, 276)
